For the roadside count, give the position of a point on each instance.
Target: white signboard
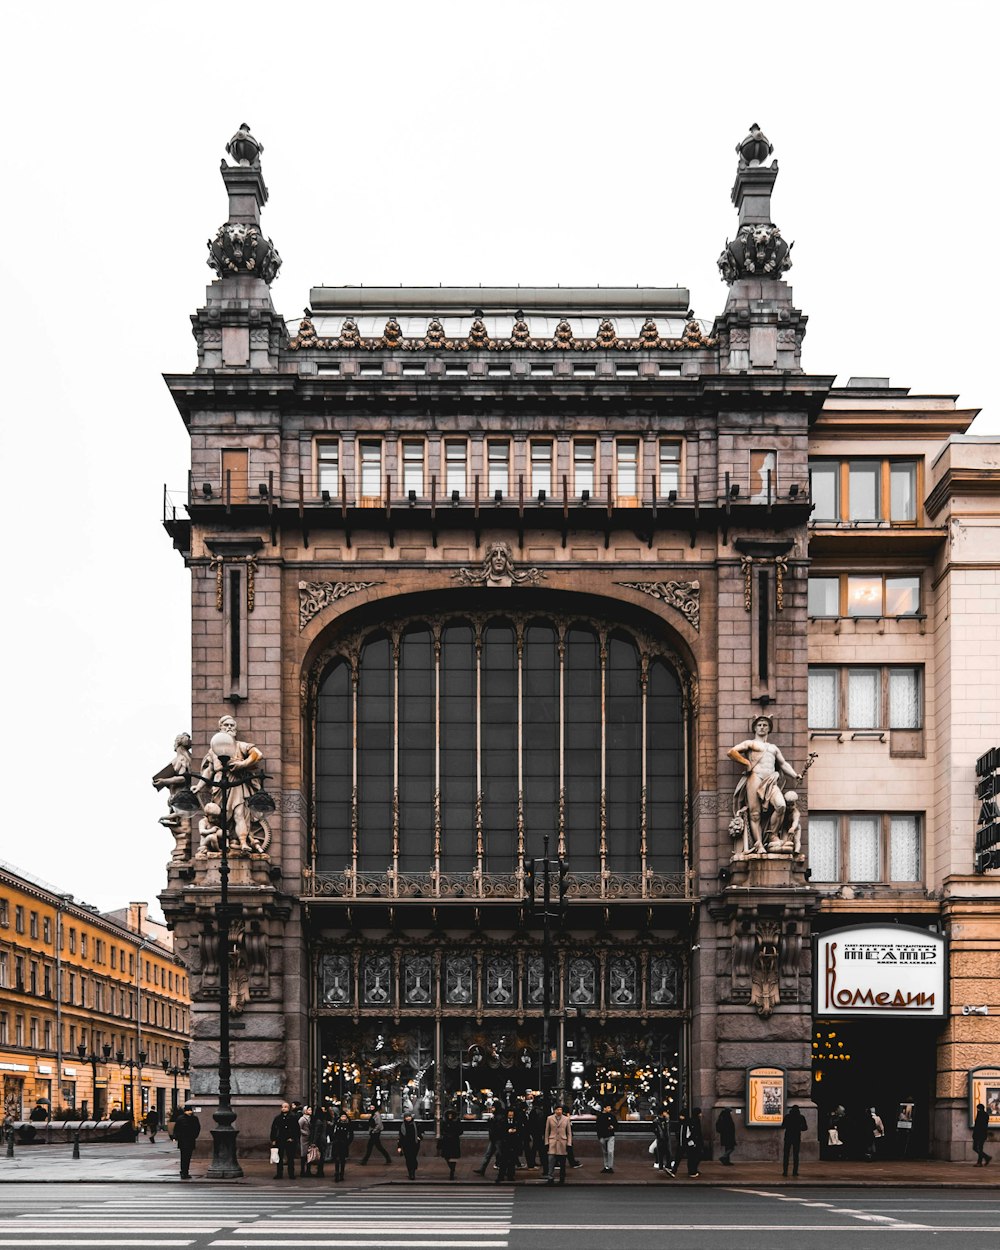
(880, 970)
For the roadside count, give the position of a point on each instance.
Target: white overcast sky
(537, 143)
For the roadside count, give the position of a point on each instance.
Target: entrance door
(885, 1064)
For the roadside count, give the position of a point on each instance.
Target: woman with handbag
(319, 1139)
(305, 1127)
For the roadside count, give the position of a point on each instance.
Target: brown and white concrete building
(477, 568)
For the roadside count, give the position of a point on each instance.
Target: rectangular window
(72, 941)
(328, 468)
(413, 466)
(902, 596)
(47, 930)
(824, 596)
(33, 925)
(863, 488)
(541, 468)
(824, 698)
(584, 466)
(864, 689)
(48, 1034)
(4, 1039)
(455, 455)
(902, 491)
(19, 1030)
(824, 487)
(904, 698)
(83, 945)
(864, 595)
(628, 473)
(4, 971)
(370, 455)
(33, 977)
(46, 980)
(19, 919)
(235, 475)
(19, 973)
(114, 957)
(866, 847)
(670, 468)
(4, 914)
(498, 466)
(33, 1033)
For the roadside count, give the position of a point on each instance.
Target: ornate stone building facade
(484, 572)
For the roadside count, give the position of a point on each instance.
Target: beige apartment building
(495, 577)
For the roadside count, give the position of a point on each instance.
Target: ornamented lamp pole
(132, 1064)
(175, 1072)
(231, 780)
(94, 1060)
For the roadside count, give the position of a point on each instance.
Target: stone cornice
(962, 481)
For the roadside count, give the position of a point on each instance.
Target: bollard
(10, 1142)
(76, 1144)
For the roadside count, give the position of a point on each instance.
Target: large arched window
(457, 746)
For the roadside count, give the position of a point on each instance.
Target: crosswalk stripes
(402, 1219)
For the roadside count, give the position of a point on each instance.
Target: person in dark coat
(340, 1141)
(606, 1121)
(375, 1129)
(534, 1138)
(690, 1142)
(285, 1139)
(509, 1147)
(152, 1122)
(409, 1144)
(793, 1125)
(664, 1150)
(450, 1145)
(725, 1126)
(319, 1136)
(495, 1129)
(187, 1126)
(980, 1128)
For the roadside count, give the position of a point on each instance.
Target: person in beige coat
(558, 1140)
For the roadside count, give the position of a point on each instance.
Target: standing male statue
(758, 801)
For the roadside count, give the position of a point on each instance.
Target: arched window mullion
(478, 637)
(396, 635)
(643, 687)
(355, 678)
(436, 627)
(519, 637)
(562, 740)
(603, 811)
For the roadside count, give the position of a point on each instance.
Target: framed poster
(984, 1087)
(765, 1097)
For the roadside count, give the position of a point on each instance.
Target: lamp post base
(225, 1165)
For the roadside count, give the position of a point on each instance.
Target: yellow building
(94, 1008)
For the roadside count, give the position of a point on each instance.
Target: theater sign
(888, 971)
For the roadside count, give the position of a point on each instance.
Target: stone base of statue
(767, 872)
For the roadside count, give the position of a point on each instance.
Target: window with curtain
(904, 849)
(864, 860)
(875, 697)
(824, 710)
(865, 847)
(904, 698)
(864, 688)
(584, 465)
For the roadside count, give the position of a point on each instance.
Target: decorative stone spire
(758, 251)
(760, 331)
(239, 247)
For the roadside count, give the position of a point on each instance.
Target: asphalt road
(530, 1217)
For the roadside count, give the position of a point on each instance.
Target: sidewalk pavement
(141, 1162)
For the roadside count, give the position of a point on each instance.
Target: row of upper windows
(626, 465)
(32, 976)
(864, 594)
(865, 490)
(42, 1039)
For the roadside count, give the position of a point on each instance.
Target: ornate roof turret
(239, 247)
(758, 251)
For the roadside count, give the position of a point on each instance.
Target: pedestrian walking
(509, 1148)
(980, 1129)
(340, 1141)
(495, 1128)
(606, 1136)
(305, 1127)
(152, 1123)
(661, 1136)
(878, 1132)
(285, 1141)
(725, 1126)
(409, 1144)
(558, 1140)
(450, 1143)
(690, 1140)
(793, 1125)
(187, 1126)
(375, 1129)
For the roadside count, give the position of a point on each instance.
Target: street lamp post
(94, 1060)
(174, 1071)
(228, 775)
(547, 914)
(132, 1065)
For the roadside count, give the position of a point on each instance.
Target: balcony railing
(486, 885)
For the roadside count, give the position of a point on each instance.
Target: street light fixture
(226, 777)
(174, 1071)
(94, 1060)
(132, 1064)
